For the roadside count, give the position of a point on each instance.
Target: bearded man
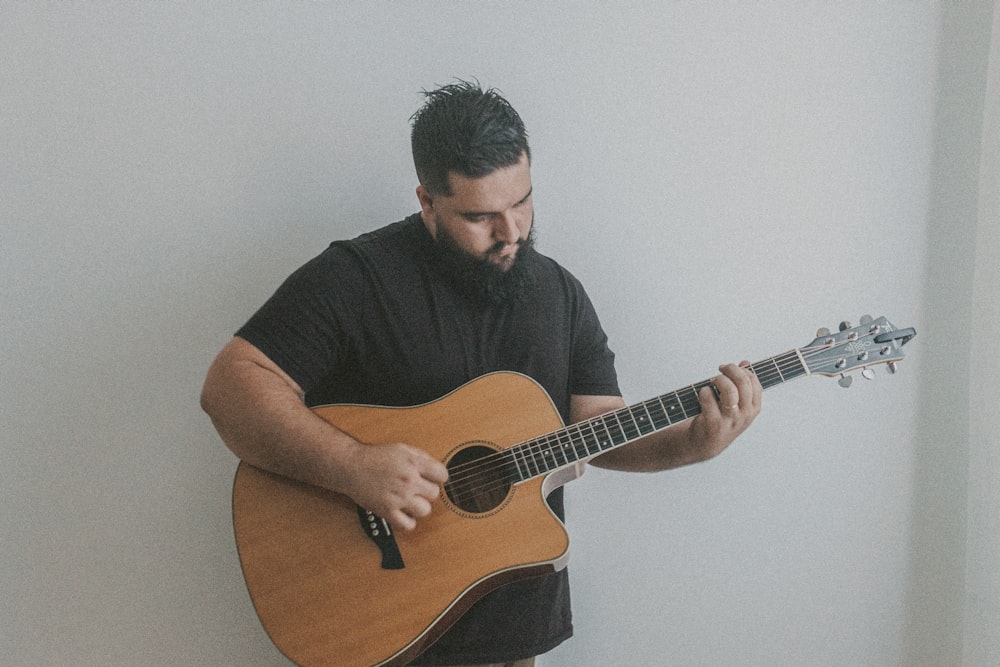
(411, 311)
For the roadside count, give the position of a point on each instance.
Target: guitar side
(317, 579)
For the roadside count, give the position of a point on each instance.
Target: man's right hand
(397, 482)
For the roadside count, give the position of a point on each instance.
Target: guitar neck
(614, 429)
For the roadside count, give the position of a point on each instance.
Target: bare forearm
(259, 413)
(664, 450)
(726, 411)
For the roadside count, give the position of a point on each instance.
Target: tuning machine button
(868, 374)
(891, 367)
(845, 381)
(845, 325)
(823, 331)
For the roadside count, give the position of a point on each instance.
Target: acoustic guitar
(334, 584)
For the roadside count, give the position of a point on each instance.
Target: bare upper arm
(242, 363)
(583, 407)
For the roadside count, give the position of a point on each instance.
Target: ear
(427, 209)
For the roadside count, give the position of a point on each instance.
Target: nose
(505, 229)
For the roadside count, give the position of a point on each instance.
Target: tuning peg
(822, 331)
(845, 381)
(891, 367)
(845, 325)
(867, 319)
(868, 374)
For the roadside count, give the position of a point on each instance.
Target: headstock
(873, 342)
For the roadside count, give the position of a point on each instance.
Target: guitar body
(318, 577)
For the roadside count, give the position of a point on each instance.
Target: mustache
(521, 243)
(500, 245)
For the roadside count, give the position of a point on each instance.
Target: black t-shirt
(376, 321)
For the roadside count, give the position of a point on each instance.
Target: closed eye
(485, 216)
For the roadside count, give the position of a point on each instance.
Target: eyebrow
(523, 199)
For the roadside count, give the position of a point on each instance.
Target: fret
(660, 413)
(583, 433)
(549, 451)
(563, 440)
(654, 412)
(615, 430)
(581, 448)
(591, 440)
(522, 470)
(777, 368)
(793, 365)
(548, 458)
(642, 418)
(531, 460)
(768, 372)
(510, 474)
(781, 368)
(689, 399)
(599, 434)
(605, 440)
(675, 407)
(630, 430)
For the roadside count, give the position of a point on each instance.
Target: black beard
(482, 280)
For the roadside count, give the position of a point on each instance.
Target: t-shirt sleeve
(592, 362)
(306, 325)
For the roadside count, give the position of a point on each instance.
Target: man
(409, 312)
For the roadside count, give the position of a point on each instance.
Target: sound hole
(477, 479)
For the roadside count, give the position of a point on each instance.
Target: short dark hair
(465, 129)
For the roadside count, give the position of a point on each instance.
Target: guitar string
(471, 473)
(789, 361)
(467, 480)
(470, 481)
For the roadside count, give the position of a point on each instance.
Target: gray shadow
(935, 597)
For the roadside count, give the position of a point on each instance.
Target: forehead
(496, 191)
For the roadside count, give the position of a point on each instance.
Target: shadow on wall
(936, 594)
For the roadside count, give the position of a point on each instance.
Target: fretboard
(595, 436)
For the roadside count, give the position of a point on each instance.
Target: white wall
(725, 177)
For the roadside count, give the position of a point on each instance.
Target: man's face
(486, 218)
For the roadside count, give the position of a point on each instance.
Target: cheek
(529, 221)
(479, 237)
(475, 239)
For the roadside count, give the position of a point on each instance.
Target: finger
(427, 466)
(709, 401)
(428, 490)
(418, 507)
(747, 384)
(727, 392)
(756, 390)
(738, 375)
(400, 520)
(434, 471)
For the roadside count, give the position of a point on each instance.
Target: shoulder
(390, 245)
(555, 278)
(407, 235)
